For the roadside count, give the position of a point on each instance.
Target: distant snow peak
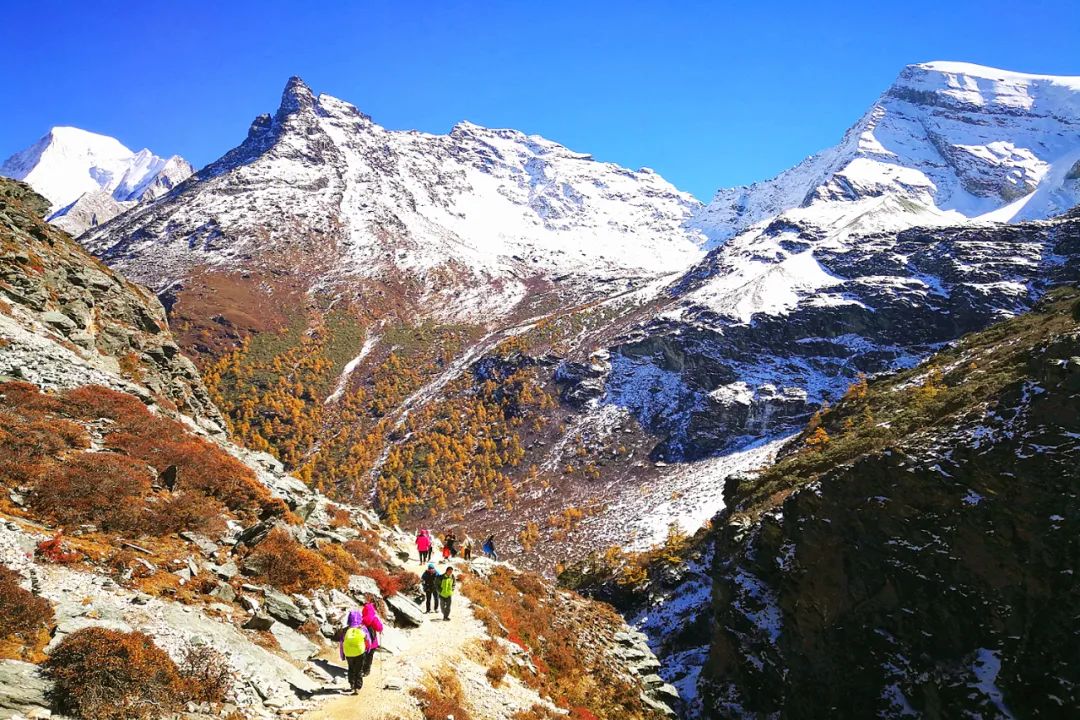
(89, 178)
(947, 143)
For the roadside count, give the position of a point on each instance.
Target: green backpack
(354, 643)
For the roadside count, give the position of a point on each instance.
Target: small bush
(205, 673)
(53, 550)
(24, 617)
(392, 583)
(496, 673)
(102, 674)
(341, 557)
(291, 567)
(441, 697)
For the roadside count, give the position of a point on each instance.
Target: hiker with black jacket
(430, 582)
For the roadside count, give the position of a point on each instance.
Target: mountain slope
(123, 512)
(357, 315)
(912, 554)
(90, 178)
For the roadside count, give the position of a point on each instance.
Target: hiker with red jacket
(371, 621)
(423, 545)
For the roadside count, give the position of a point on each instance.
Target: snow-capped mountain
(948, 142)
(90, 178)
(476, 216)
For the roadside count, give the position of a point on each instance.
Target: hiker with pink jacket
(371, 621)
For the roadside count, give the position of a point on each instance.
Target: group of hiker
(425, 545)
(361, 636)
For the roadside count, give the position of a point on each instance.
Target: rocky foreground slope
(125, 508)
(914, 552)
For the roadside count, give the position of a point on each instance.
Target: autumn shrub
(289, 566)
(24, 617)
(441, 697)
(496, 673)
(341, 557)
(188, 511)
(103, 674)
(101, 488)
(205, 674)
(367, 550)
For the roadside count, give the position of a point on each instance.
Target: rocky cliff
(912, 553)
(51, 288)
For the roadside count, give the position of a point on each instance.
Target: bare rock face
(932, 576)
(51, 286)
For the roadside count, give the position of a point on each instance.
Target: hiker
(451, 543)
(353, 648)
(374, 626)
(445, 552)
(489, 547)
(446, 591)
(430, 581)
(466, 550)
(423, 545)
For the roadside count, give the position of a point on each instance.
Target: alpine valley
(488, 330)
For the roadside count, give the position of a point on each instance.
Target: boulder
(23, 690)
(206, 546)
(224, 592)
(280, 607)
(406, 612)
(293, 643)
(361, 585)
(259, 621)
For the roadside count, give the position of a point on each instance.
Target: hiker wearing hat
(371, 621)
(355, 641)
(430, 580)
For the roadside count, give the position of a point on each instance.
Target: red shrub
(53, 551)
(391, 583)
(24, 616)
(101, 488)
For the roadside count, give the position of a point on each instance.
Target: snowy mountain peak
(946, 143)
(477, 216)
(88, 177)
(296, 96)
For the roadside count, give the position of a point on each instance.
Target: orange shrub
(291, 567)
(441, 697)
(102, 674)
(341, 557)
(24, 617)
(206, 675)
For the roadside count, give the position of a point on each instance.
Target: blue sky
(709, 94)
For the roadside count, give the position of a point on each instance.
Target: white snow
(986, 667)
(343, 380)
